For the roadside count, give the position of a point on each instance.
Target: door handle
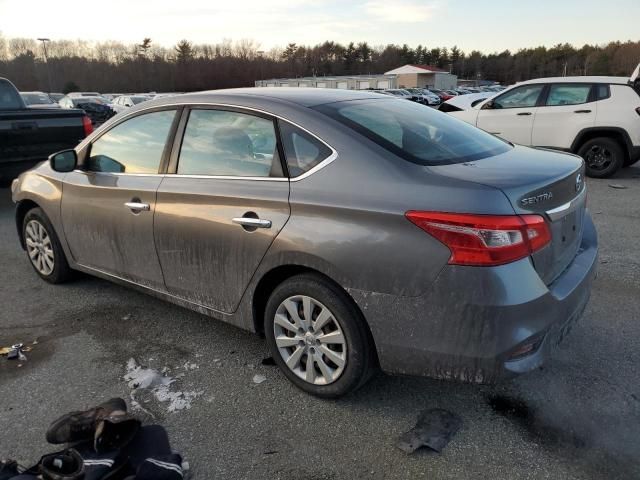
(582, 111)
(138, 206)
(524, 113)
(252, 222)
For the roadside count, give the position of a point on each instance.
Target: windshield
(36, 98)
(81, 100)
(415, 133)
(137, 100)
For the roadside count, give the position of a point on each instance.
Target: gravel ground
(577, 418)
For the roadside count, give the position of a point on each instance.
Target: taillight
(87, 125)
(485, 239)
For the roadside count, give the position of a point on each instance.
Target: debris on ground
(269, 361)
(159, 384)
(618, 186)
(258, 379)
(15, 352)
(434, 429)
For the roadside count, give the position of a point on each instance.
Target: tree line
(117, 67)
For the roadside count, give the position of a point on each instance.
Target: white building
(349, 82)
(408, 76)
(423, 76)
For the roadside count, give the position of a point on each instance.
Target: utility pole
(46, 59)
(260, 56)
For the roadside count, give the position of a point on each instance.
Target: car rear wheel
(603, 156)
(43, 247)
(318, 337)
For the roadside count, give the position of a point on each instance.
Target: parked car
(124, 102)
(400, 92)
(444, 95)
(29, 135)
(97, 108)
(38, 100)
(83, 94)
(424, 96)
(56, 97)
(111, 96)
(429, 267)
(465, 102)
(597, 118)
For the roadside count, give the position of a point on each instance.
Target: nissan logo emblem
(578, 182)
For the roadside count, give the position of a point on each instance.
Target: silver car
(352, 230)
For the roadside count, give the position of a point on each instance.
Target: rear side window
(602, 92)
(303, 151)
(133, 146)
(415, 132)
(521, 97)
(568, 94)
(225, 143)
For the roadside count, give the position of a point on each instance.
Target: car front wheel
(43, 247)
(318, 337)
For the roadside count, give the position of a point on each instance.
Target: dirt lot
(576, 418)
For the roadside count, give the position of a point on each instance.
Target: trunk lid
(541, 182)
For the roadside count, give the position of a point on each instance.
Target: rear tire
(43, 247)
(603, 156)
(323, 345)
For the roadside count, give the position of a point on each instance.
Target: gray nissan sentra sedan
(352, 229)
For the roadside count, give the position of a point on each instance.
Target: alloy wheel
(310, 340)
(599, 157)
(39, 247)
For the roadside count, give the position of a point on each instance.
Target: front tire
(318, 337)
(43, 247)
(603, 156)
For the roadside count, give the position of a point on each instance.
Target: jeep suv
(596, 117)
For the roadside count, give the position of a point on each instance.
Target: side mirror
(488, 106)
(65, 161)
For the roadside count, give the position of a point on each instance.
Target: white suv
(596, 117)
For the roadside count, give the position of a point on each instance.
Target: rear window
(36, 99)
(415, 132)
(9, 98)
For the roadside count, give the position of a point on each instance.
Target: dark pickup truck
(30, 135)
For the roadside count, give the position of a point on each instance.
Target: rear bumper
(473, 319)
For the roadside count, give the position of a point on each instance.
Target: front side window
(415, 133)
(133, 146)
(225, 143)
(521, 97)
(567, 94)
(303, 151)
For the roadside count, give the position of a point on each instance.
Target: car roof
(579, 79)
(307, 97)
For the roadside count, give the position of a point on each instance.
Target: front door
(108, 205)
(223, 206)
(511, 115)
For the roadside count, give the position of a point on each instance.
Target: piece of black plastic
(434, 429)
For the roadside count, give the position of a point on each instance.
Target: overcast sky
(471, 24)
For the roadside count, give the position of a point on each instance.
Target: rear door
(512, 114)
(221, 205)
(567, 109)
(108, 205)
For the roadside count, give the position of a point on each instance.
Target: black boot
(108, 425)
(66, 465)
